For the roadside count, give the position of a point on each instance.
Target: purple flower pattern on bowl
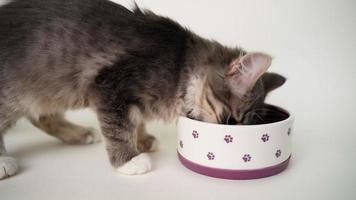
(228, 139)
(195, 134)
(265, 138)
(247, 158)
(210, 156)
(181, 144)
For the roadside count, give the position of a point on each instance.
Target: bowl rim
(290, 118)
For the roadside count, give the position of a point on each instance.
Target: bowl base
(234, 174)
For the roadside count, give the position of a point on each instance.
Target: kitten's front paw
(8, 167)
(140, 164)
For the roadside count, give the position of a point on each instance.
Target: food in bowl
(237, 151)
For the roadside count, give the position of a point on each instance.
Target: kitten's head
(254, 102)
(233, 90)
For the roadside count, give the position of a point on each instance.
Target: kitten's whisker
(264, 109)
(269, 111)
(259, 116)
(253, 112)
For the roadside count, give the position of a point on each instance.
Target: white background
(313, 44)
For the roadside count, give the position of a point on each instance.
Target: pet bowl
(236, 151)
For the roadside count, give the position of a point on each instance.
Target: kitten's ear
(272, 81)
(244, 72)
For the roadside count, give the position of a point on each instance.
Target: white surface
(314, 45)
(246, 140)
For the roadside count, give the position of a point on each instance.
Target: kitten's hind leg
(57, 126)
(8, 164)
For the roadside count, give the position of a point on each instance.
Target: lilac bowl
(235, 151)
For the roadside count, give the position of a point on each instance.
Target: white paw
(155, 146)
(93, 136)
(8, 167)
(137, 165)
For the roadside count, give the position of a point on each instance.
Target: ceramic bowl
(236, 151)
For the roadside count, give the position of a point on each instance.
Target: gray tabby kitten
(128, 66)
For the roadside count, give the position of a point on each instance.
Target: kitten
(130, 67)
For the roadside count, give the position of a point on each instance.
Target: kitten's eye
(249, 97)
(246, 98)
(252, 95)
(100, 80)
